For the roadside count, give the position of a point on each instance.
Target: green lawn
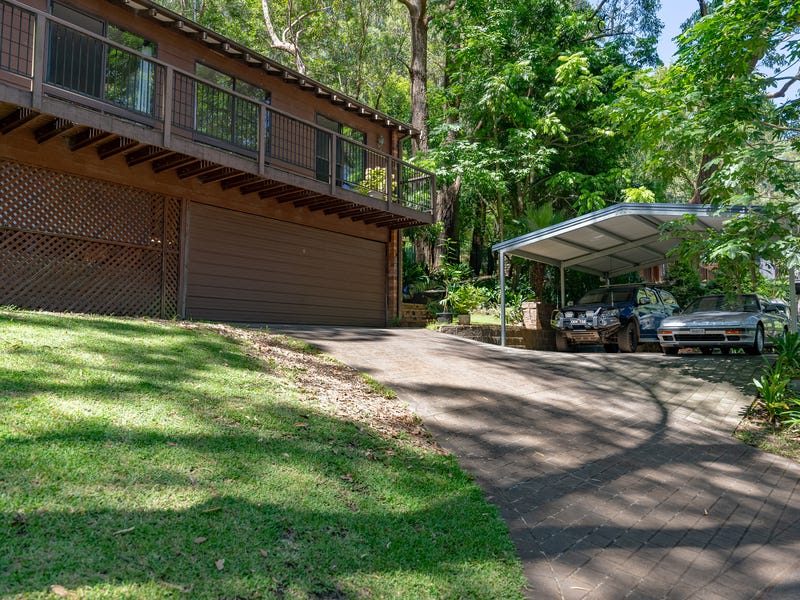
(148, 460)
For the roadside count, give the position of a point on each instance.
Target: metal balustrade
(97, 72)
(92, 67)
(16, 39)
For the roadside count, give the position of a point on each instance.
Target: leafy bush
(772, 389)
(778, 399)
(375, 181)
(787, 348)
(463, 299)
(683, 280)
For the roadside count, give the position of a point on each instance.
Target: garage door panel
(254, 269)
(273, 236)
(280, 314)
(269, 272)
(279, 266)
(260, 296)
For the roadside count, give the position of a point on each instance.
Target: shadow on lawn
(609, 487)
(72, 533)
(292, 500)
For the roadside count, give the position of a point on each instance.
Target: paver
(617, 474)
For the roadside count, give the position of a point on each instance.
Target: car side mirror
(643, 301)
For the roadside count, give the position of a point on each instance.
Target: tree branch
(598, 9)
(606, 34)
(782, 92)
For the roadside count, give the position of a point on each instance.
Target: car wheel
(671, 350)
(628, 337)
(758, 342)
(706, 350)
(562, 345)
(611, 348)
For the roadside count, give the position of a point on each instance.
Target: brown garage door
(245, 268)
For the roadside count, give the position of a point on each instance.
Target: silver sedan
(745, 321)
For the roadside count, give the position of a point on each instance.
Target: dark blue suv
(618, 317)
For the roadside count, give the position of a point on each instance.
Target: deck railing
(101, 74)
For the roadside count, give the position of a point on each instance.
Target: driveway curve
(616, 473)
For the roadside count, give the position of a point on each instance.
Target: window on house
(224, 116)
(350, 158)
(130, 79)
(88, 66)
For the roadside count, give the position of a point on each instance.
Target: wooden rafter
(218, 174)
(261, 185)
(114, 147)
(239, 180)
(173, 161)
(326, 204)
(87, 137)
(146, 154)
(17, 118)
(52, 129)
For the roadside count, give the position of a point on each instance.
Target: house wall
(142, 198)
(182, 52)
(85, 173)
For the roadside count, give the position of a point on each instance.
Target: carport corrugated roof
(613, 241)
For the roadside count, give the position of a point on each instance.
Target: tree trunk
(478, 239)
(701, 195)
(418, 71)
(447, 215)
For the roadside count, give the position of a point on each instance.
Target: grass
(149, 460)
(757, 430)
(769, 438)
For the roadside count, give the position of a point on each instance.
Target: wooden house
(149, 166)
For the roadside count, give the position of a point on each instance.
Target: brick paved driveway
(616, 473)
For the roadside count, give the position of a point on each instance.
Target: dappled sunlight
(138, 473)
(617, 474)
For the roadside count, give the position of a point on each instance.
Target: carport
(613, 241)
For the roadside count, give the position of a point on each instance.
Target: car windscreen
(736, 303)
(608, 296)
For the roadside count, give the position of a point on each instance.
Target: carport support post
(563, 284)
(502, 298)
(792, 301)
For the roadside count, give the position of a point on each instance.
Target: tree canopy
(534, 111)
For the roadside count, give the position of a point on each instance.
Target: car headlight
(608, 317)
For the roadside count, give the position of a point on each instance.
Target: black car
(618, 317)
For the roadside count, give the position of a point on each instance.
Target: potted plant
(462, 299)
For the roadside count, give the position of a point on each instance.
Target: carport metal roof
(613, 241)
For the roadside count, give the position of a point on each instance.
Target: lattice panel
(39, 199)
(47, 264)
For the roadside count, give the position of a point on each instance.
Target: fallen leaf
(215, 509)
(301, 424)
(175, 586)
(220, 564)
(263, 552)
(200, 540)
(59, 590)
(171, 444)
(347, 477)
(124, 531)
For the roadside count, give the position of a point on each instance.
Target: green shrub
(787, 348)
(772, 390)
(463, 298)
